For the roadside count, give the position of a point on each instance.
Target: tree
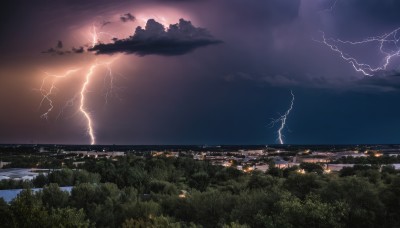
(40, 181)
(390, 198)
(64, 177)
(347, 171)
(84, 196)
(54, 197)
(159, 221)
(273, 170)
(365, 207)
(200, 181)
(235, 225)
(312, 212)
(312, 168)
(6, 215)
(83, 176)
(28, 210)
(255, 208)
(162, 187)
(258, 180)
(301, 185)
(68, 218)
(213, 205)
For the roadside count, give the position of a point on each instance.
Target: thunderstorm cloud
(59, 44)
(105, 23)
(78, 50)
(59, 50)
(154, 39)
(127, 17)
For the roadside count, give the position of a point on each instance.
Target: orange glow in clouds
(51, 81)
(94, 34)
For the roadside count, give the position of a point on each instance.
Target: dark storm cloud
(178, 39)
(262, 13)
(352, 18)
(127, 17)
(284, 80)
(58, 50)
(283, 11)
(55, 50)
(51, 51)
(105, 23)
(380, 10)
(78, 50)
(357, 20)
(268, 43)
(387, 82)
(59, 44)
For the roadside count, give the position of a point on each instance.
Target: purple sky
(218, 80)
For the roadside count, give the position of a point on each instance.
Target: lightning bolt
(94, 35)
(47, 94)
(282, 119)
(388, 45)
(82, 105)
(48, 88)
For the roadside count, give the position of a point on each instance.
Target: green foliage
(235, 225)
(68, 177)
(155, 222)
(6, 215)
(162, 187)
(260, 181)
(63, 177)
(213, 205)
(100, 202)
(366, 209)
(15, 184)
(83, 176)
(369, 160)
(312, 212)
(181, 192)
(67, 218)
(200, 181)
(274, 171)
(390, 198)
(301, 185)
(54, 197)
(40, 181)
(28, 210)
(312, 168)
(257, 208)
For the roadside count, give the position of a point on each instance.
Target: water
(9, 194)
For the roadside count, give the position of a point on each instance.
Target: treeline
(385, 159)
(38, 160)
(181, 192)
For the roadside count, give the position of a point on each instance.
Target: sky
(207, 72)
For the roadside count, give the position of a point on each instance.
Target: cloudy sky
(199, 71)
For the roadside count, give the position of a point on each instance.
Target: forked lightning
(387, 44)
(282, 119)
(47, 89)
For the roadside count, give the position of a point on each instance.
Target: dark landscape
(200, 186)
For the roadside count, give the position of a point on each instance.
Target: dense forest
(181, 192)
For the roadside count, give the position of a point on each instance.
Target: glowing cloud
(178, 39)
(154, 39)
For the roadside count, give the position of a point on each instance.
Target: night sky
(199, 71)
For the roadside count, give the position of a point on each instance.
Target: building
(313, 160)
(354, 154)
